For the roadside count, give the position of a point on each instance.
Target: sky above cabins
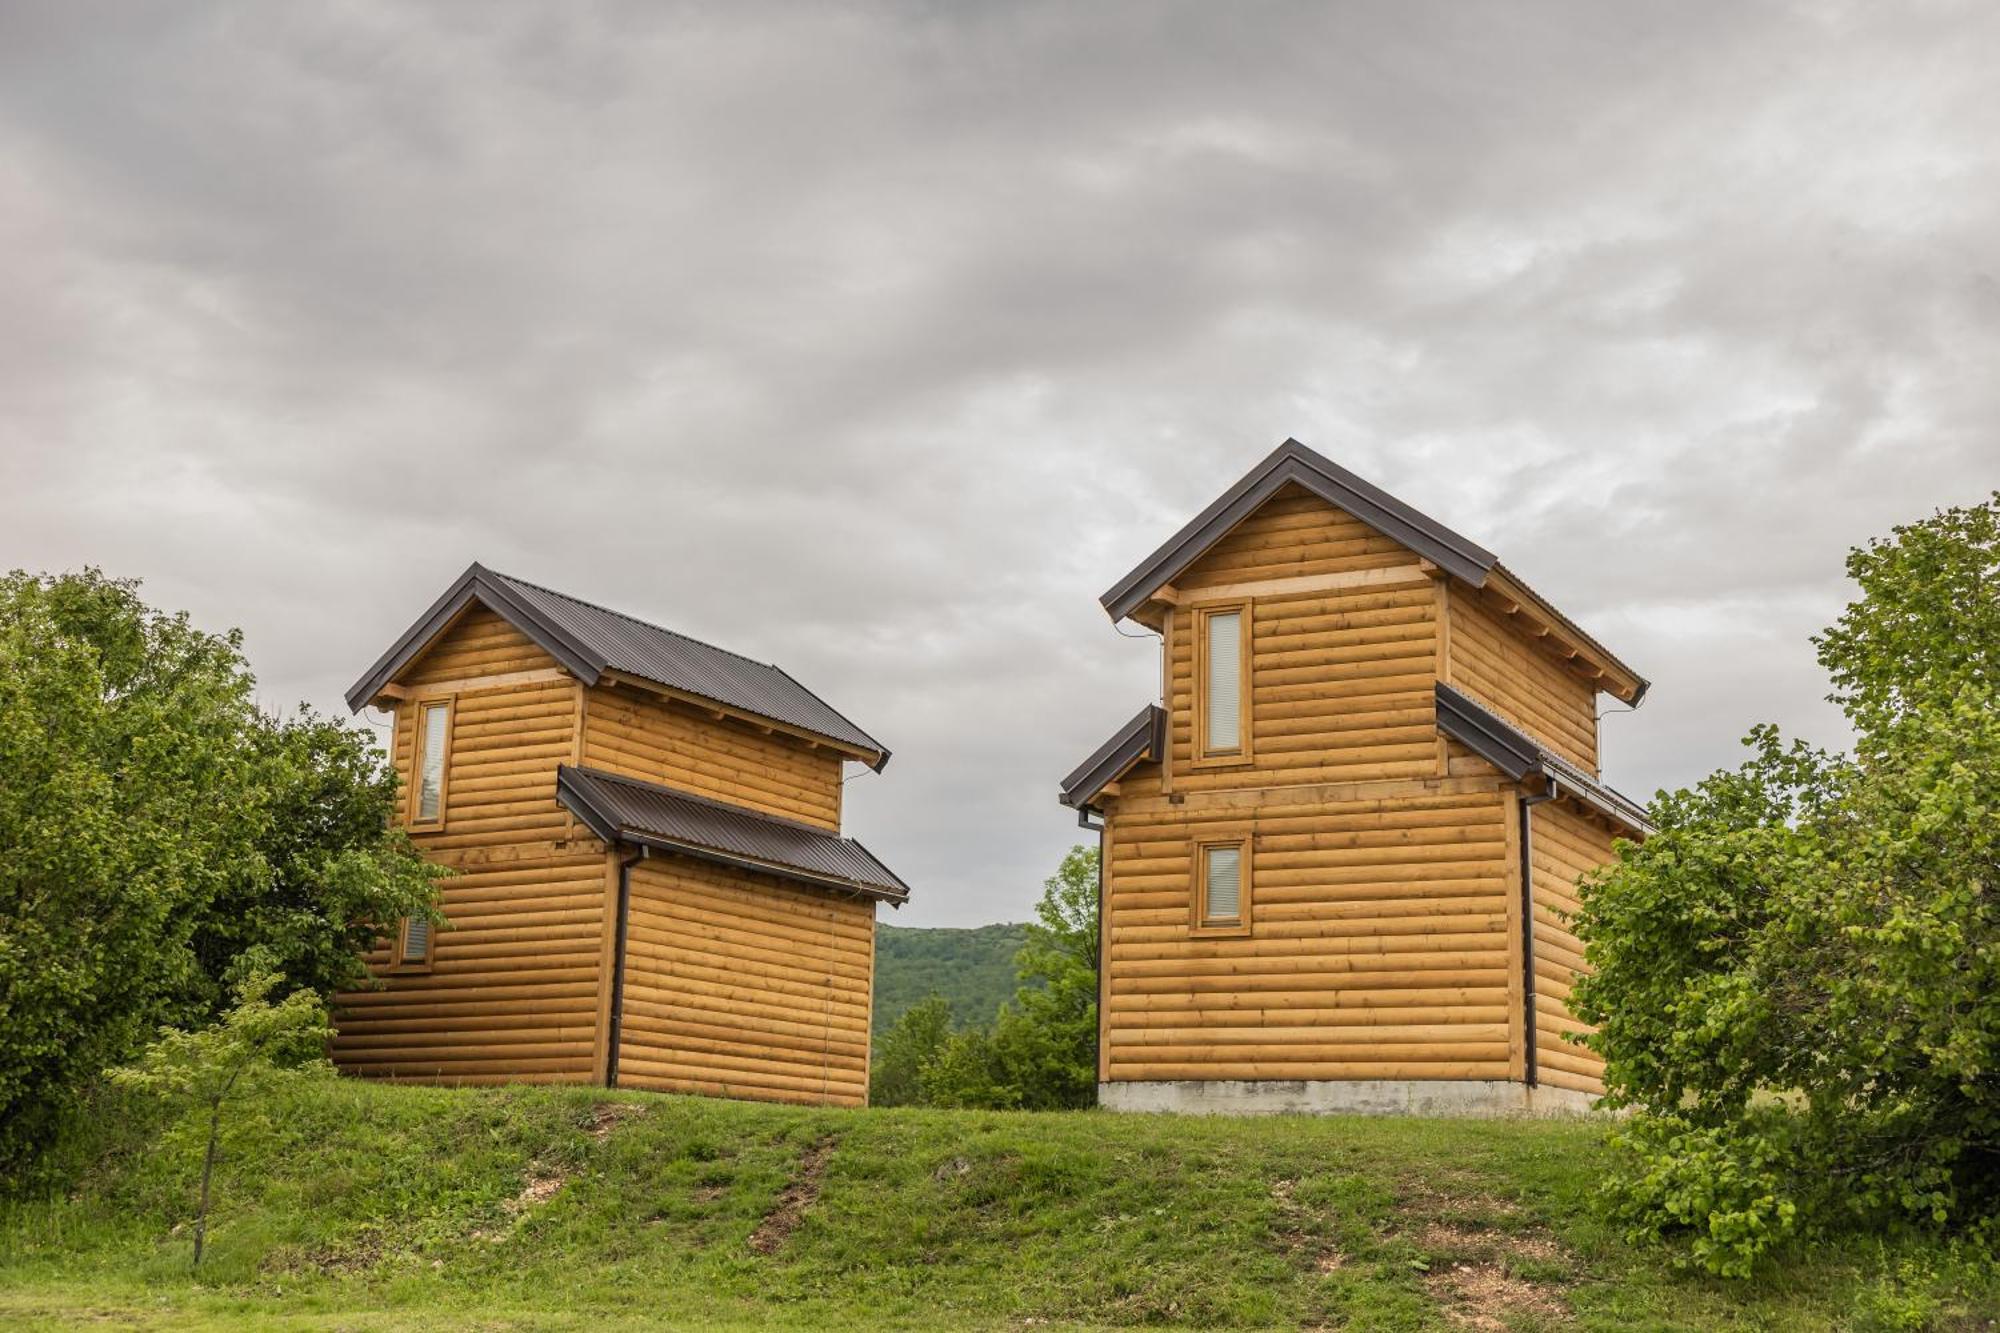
(878, 341)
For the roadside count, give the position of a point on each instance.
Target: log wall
(1340, 677)
(1493, 659)
(1378, 947)
(1564, 844)
(739, 985)
(512, 991)
(644, 736)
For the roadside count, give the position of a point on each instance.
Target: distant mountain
(974, 969)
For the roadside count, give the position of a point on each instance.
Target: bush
(160, 838)
(1797, 979)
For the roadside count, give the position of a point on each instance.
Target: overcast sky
(878, 341)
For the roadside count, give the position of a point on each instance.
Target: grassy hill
(356, 1206)
(974, 969)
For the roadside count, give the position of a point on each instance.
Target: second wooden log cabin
(652, 889)
(1339, 853)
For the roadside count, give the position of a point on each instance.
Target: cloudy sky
(878, 341)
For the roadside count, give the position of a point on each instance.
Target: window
(416, 943)
(1222, 732)
(433, 736)
(1222, 887)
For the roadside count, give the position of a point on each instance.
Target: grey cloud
(877, 340)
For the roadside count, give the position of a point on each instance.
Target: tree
(1041, 1051)
(1047, 1037)
(1797, 979)
(160, 836)
(912, 1042)
(255, 1039)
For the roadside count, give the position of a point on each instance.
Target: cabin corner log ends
(1401, 793)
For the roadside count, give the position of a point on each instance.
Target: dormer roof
(594, 642)
(1456, 556)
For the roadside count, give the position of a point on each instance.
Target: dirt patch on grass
(540, 1186)
(1483, 1297)
(1482, 1242)
(1298, 1232)
(606, 1116)
(779, 1224)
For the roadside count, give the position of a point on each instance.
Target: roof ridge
(644, 624)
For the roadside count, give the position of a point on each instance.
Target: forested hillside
(973, 969)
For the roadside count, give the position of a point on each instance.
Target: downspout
(618, 963)
(1531, 1073)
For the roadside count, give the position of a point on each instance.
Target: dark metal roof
(590, 640)
(645, 814)
(1144, 737)
(1517, 754)
(1294, 463)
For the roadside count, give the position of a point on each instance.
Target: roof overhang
(1142, 738)
(583, 792)
(474, 585)
(1448, 552)
(1523, 759)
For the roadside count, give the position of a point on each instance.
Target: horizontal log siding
(512, 993)
(478, 643)
(739, 986)
(1340, 690)
(1293, 534)
(644, 737)
(1566, 844)
(1497, 662)
(1378, 947)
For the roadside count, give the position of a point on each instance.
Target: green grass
(357, 1206)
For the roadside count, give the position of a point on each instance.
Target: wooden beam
(467, 684)
(1347, 578)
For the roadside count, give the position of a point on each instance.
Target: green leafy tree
(159, 834)
(1041, 1051)
(254, 1041)
(1797, 979)
(912, 1042)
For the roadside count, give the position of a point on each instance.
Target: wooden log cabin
(652, 890)
(1338, 853)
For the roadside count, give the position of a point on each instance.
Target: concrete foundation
(1438, 1097)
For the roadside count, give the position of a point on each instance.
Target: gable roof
(647, 814)
(1292, 463)
(1517, 754)
(1144, 737)
(591, 640)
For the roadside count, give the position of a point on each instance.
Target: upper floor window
(433, 743)
(1222, 685)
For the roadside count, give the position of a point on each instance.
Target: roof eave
(475, 584)
(1294, 462)
(1140, 739)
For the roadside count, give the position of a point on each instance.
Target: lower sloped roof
(1517, 754)
(1144, 737)
(647, 814)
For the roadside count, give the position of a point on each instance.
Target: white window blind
(1224, 877)
(430, 776)
(1225, 679)
(416, 940)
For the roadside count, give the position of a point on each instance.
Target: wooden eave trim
(767, 725)
(1566, 645)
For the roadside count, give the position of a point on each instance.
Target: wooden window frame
(423, 704)
(1245, 751)
(401, 963)
(1199, 926)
